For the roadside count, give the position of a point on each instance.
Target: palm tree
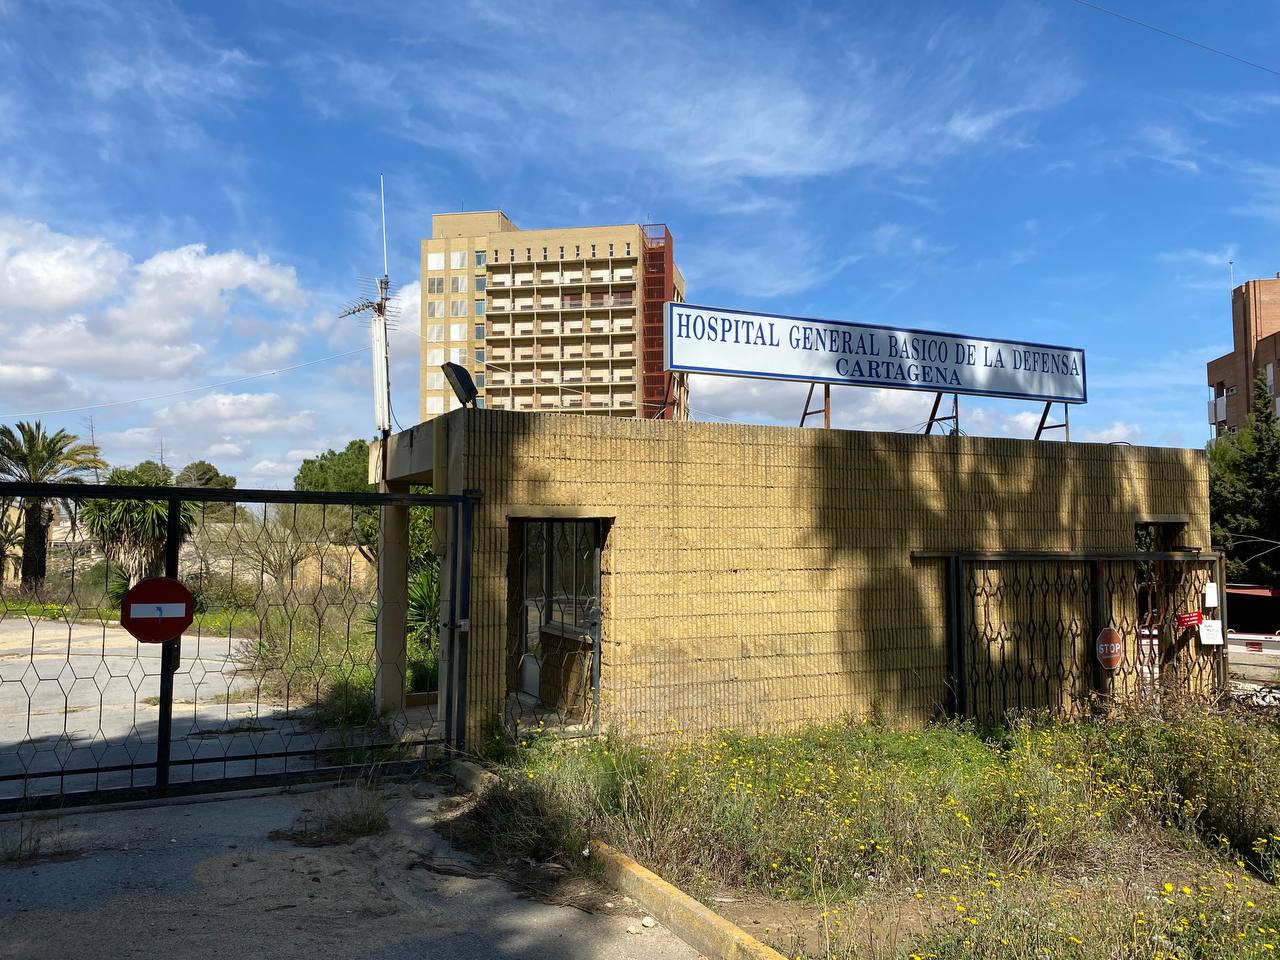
(133, 533)
(29, 454)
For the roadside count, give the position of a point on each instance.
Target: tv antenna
(382, 312)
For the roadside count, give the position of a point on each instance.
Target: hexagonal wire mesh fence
(1023, 630)
(276, 676)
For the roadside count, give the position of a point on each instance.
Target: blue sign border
(670, 305)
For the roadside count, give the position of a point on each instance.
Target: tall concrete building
(567, 319)
(1255, 323)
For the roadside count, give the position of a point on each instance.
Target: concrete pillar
(393, 604)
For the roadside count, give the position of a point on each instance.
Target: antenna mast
(379, 310)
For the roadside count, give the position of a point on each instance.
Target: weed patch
(341, 817)
(1026, 832)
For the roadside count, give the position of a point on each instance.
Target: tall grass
(835, 812)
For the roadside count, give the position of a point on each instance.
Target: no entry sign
(157, 610)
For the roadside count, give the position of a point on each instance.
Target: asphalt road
(204, 881)
(81, 696)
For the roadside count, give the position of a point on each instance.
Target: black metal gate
(279, 676)
(554, 644)
(1023, 628)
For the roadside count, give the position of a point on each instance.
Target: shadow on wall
(883, 496)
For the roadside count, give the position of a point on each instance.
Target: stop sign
(157, 610)
(1110, 648)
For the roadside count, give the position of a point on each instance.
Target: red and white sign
(1110, 648)
(157, 610)
(1192, 619)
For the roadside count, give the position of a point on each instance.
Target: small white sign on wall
(1211, 594)
(1211, 633)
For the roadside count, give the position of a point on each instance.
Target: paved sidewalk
(203, 881)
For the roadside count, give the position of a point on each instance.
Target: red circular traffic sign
(157, 610)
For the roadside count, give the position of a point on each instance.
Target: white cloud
(24, 387)
(229, 447)
(275, 469)
(174, 288)
(710, 105)
(236, 414)
(1170, 147)
(1117, 431)
(897, 240)
(44, 272)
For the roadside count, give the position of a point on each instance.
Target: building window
(593, 251)
(435, 261)
(457, 284)
(479, 308)
(458, 308)
(435, 308)
(479, 331)
(496, 258)
(611, 249)
(480, 284)
(511, 255)
(435, 284)
(435, 356)
(435, 332)
(435, 404)
(479, 354)
(628, 248)
(458, 260)
(544, 253)
(459, 355)
(1270, 373)
(457, 331)
(479, 376)
(1231, 391)
(528, 254)
(577, 250)
(480, 258)
(435, 381)
(480, 402)
(562, 253)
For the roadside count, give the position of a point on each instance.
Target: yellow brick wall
(762, 576)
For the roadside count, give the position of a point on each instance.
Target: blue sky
(188, 192)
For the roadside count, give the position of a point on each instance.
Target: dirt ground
(228, 878)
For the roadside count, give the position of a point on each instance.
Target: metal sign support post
(954, 416)
(825, 409)
(1064, 426)
(169, 652)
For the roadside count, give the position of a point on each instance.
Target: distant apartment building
(1255, 323)
(566, 319)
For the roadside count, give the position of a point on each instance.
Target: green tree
(29, 454)
(345, 470)
(202, 473)
(133, 533)
(1244, 493)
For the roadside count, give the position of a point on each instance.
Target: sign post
(157, 610)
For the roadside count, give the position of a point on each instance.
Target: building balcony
(1218, 410)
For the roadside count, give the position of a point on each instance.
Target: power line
(1177, 36)
(178, 393)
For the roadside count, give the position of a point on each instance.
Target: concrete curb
(701, 928)
(470, 776)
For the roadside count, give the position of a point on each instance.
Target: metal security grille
(275, 678)
(1023, 628)
(553, 662)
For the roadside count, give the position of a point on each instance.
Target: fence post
(461, 616)
(1101, 677)
(958, 704)
(169, 652)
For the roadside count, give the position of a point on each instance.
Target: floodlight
(462, 384)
